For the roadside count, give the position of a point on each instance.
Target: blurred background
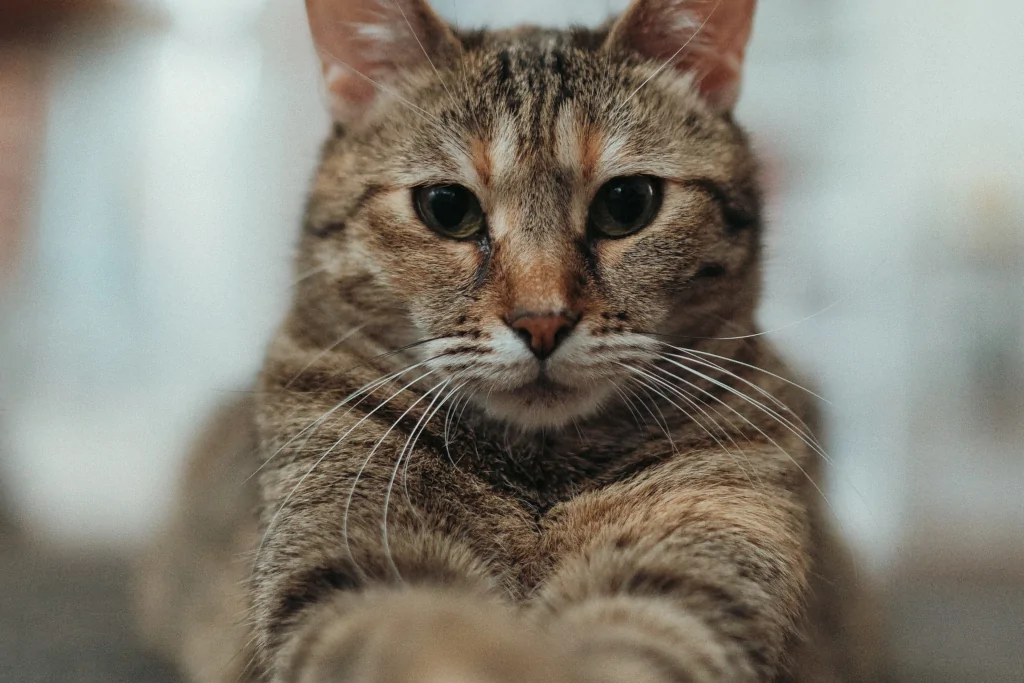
(153, 160)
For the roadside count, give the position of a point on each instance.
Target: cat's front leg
(421, 636)
(695, 572)
(352, 584)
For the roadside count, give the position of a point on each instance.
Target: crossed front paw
(435, 638)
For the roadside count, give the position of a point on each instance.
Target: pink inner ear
(705, 37)
(349, 91)
(359, 34)
(359, 40)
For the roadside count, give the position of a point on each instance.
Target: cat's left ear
(705, 37)
(364, 44)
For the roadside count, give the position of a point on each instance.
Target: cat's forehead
(536, 101)
(531, 82)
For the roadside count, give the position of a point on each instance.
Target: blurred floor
(67, 618)
(947, 630)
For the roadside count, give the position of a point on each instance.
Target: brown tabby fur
(626, 520)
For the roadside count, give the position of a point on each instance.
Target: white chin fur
(535, 413)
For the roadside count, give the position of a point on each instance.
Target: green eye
(625, 206)
(449, 210)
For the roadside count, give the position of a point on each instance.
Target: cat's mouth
(543, 390)
(543, 403)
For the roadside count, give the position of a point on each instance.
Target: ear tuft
(364, 44)
(707, 38)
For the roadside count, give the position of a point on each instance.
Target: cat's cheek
(635, 280)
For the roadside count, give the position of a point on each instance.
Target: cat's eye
(625, 206)
(449, 210)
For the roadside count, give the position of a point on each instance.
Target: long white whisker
(405, 470)
(807, 438)
(676, 390)
(440, 387)
(756, 428)
(288, 498)
(365, 390)
(761, 390)
(629, 404)
(366, 461)
(752, 367)
(698, 405)
(662, 423)
(447, 426)
(302, 277)
(804, 431)
(646, 427)
(869, 280)
(458, 423)
(693, 418)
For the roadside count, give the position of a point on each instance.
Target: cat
(518, 424)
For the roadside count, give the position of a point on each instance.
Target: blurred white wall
(175, 172)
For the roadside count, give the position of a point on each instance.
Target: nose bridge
(536, 251)
(537, 279)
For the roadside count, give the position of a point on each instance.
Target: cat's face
(542, 206)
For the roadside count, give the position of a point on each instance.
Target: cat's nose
(543, 333)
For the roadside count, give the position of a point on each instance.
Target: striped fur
(433, 507)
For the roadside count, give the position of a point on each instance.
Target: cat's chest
(544, 471)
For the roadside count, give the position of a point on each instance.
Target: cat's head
(543, 206)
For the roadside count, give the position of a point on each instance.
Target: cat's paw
(438, 638)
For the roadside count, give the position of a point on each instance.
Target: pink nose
(543, 333)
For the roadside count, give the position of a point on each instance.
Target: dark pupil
(627, 201)
(449, 204)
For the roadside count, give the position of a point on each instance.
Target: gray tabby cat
(518, 425)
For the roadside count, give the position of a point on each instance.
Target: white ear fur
(707, 38)
(364, 44)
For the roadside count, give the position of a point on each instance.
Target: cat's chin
(543, 405)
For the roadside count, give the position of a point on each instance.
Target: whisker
(676, 405)
(447, 425)
(388, 354)
(662, 423)
(691, 355)
(315, 424)
(458, 423)
(805, 429)
(808, 439)
(811, 441)
(316, 359)
(756, 428)
(639, 400)
(405, 471)
(752, 367)
(715, 424)
(631, 407)
(759, 389)
(302, 277)
(699, 405)
(401, 349)
(366, 462)
(440, 387)
(298, 484)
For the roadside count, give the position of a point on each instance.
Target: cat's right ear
(364, 44)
